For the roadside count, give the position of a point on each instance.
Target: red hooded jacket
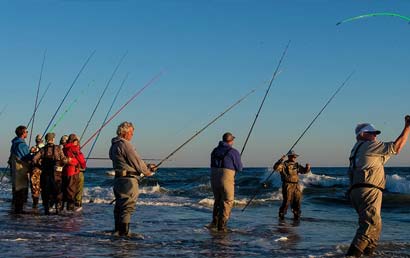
(76, 162)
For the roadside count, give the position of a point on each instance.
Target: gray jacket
(125, 157)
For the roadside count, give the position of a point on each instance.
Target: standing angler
(289, 172)
(51, 159)
(72, 170)
(35, 172)
(128, 168)
(19, 166)
(367, 181)
(225, 161)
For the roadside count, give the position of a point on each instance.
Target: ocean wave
(98, 194)
(397, 184)
(275, 196)
(324, 181)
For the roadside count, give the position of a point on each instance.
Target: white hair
(124, 128)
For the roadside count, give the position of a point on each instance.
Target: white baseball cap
(366, 128)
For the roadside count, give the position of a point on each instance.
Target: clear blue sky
(213, 52)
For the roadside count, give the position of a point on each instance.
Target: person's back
(225, 161)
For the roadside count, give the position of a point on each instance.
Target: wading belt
(124, 173)
(364, 185)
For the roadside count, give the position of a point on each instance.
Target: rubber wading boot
(46, 209)
(369, 251)
(35, 202)
(213, 224)
(296, 215)
(222, 226)
(354, 251)
(124, 229)
(281, 216)
(59, 207)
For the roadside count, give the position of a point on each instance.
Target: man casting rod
(303, 133)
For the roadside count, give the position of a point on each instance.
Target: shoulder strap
(221, 159)
(353, 158)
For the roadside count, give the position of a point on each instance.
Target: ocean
(175, 205)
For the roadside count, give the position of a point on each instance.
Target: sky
(211, 53)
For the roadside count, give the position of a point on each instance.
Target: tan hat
(292, 153)
(50, 137)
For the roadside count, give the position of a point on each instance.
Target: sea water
(175, 205)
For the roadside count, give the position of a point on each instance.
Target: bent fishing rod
(303, 133)
(108, 113)
(68, 91)
(102, 94)
(38, 104)
(38, 91)
(70, 106)
(155, 78)
(206, 126)
(264, 97)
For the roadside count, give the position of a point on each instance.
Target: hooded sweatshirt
(76, 162)
(125, 157)
(19, 148)
(224, 156)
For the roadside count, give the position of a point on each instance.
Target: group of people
(366, 174)
(59, 168)
(53, 171)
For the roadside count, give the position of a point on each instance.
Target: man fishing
(19, 166)
(128, 168)
(225, 161)
(35, 172)
(51, 159)
(367, 182)
(289, 172)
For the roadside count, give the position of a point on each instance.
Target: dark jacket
(224, 156)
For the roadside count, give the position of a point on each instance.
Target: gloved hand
(407, 120)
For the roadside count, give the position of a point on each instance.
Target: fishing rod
(101, 158)
(303, 133)
(69, 107)
(264, 97)
(38, 91)
(108, 113)
(156, 77)
(38, 104)
(4, 108)
(102, 95)
(206, 126)
(69, 89)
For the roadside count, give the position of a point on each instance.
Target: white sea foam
(397, 184)
(209, 202)
(281, 239)
(311, 179)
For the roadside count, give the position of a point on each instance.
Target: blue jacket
(224, 156)
(19, 148)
